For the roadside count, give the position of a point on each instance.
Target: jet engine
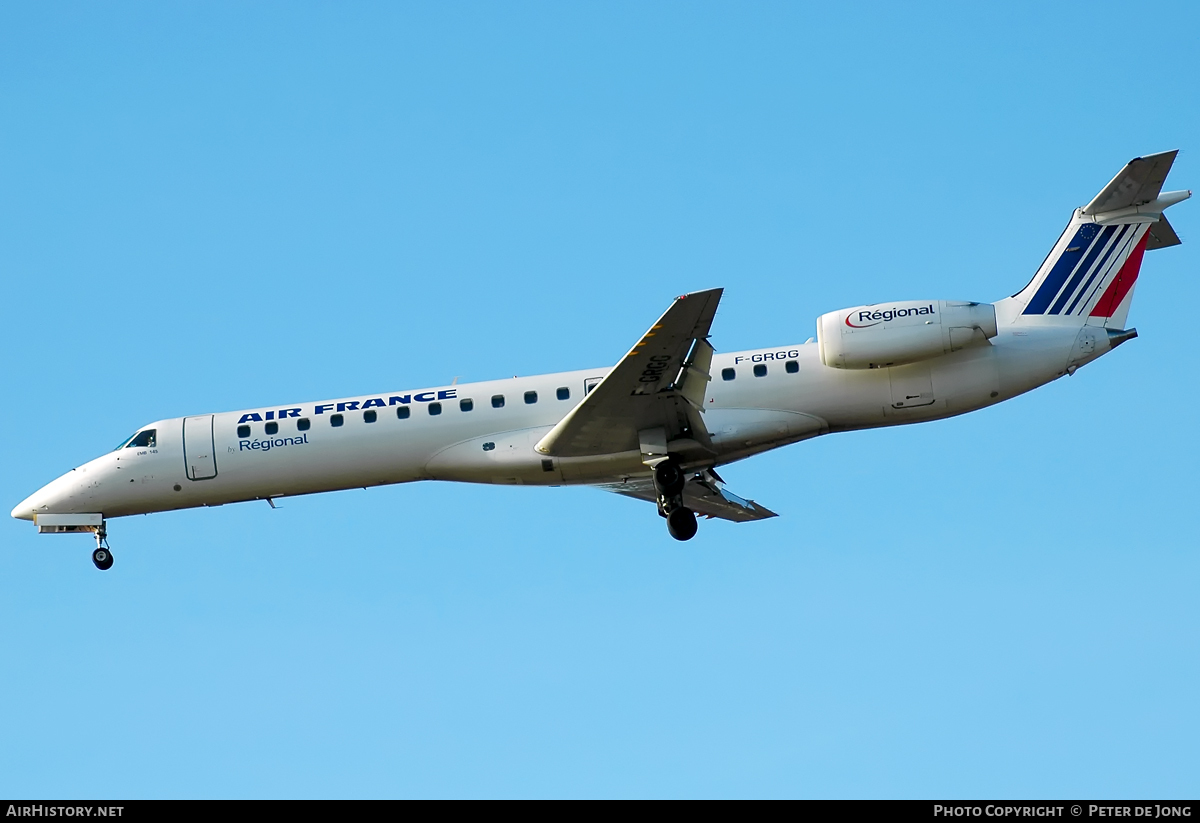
(891, 334)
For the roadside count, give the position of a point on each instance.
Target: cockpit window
(145, 439)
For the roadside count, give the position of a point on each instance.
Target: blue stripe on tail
(1062, 269)
(1082, 271)
(1116, 244)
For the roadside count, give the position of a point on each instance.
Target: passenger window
(336, 420)
(466, 404)
(760, 370)
(272, 428)
(403, 412)
(435, 408)
(728, 374)
(591, 383)
(530, 397)
(792, 366)
(303, 424)
(369, 416)
(243, 431)
(497, 401)
(563, 393)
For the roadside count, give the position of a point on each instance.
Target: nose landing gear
(669, 480)
(102, 556)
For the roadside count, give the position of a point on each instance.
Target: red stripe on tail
(1123, 282)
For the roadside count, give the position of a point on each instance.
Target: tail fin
(1089, 275)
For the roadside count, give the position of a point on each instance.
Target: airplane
(659, 424)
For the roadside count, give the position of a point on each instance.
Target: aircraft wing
(659, 384)
(704, 494)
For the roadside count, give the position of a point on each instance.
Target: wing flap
(704, 494)
(697, 373)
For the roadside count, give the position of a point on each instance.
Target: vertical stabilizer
(1089, 275)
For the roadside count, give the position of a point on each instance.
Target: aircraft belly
(967, 379)
(846, 398)
(505, 458)
(1031, 357)
(601, 467)
(732, 430)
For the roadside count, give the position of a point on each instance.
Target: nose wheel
(102, 556)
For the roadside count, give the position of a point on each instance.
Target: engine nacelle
(891, 334)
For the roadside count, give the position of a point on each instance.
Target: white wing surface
(660, 383)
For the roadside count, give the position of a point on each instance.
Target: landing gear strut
(669, 480)
(102, 556)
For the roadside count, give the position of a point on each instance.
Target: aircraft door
(199, 453)
(912, 385)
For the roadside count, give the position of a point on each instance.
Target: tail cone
(1118, 336)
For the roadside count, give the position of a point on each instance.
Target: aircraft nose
(25, 509)
(41, 501)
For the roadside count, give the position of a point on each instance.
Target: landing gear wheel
(103, 559)
(681, 523)
(669, 479)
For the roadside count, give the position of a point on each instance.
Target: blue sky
(210, 206)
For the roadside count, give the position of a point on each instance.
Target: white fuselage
(746, 415)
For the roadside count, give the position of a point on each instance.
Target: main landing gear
(102, 556)
(669, 480)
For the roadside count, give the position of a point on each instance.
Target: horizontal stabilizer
(1139, 182)
(1162, 235)
(704, 494)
